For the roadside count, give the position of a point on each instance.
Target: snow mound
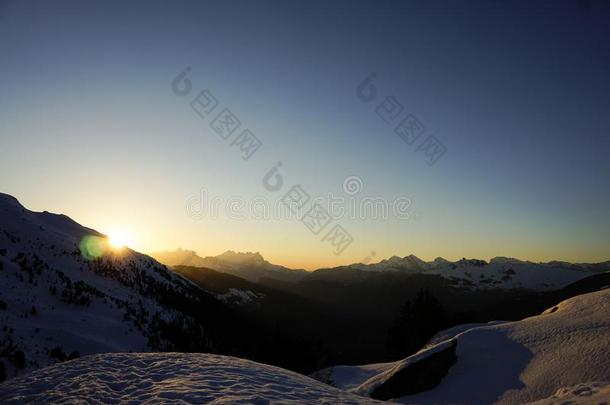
(170, 378)
(507, 363)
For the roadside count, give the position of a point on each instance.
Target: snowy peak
(471, 263)
(499, 273)
(240, 258)
(394, 260)
(11, 211)
(506, 260)
(178, 257)
(409, 263)
(416, 261)
(439, 261)
(251, 266)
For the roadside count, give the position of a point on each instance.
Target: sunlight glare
(119, 239)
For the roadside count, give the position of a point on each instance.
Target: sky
(514, 97)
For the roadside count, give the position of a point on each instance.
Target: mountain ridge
(463, 272)
(251, 266)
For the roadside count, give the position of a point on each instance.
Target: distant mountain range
(498, 273)
(249, 266)
(330, 306)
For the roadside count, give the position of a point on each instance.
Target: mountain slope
(64, 292)
(505, 363)
(231, 290)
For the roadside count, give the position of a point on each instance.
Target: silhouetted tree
(419, 319)
(19, 359)
(74, 355)
(58, 353)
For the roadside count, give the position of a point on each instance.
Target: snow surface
(351, 377)
(456, 330)
(591, 393)
(170, 378)
(510, 362)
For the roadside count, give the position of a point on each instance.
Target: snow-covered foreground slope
(170, 378)
(507, 363)
(64, 292)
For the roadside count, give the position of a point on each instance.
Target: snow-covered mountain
(249, 266)
(64, 292)
(559, 354)
(499, 272)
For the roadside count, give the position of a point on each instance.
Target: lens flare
(92, 247)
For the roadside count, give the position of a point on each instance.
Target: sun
(118, 239)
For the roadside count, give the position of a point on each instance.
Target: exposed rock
(422, 375)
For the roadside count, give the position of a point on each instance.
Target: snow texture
(591, 393)
(170, 378)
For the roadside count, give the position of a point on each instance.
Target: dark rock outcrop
(417, 377)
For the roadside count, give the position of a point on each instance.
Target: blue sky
(518, 92)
